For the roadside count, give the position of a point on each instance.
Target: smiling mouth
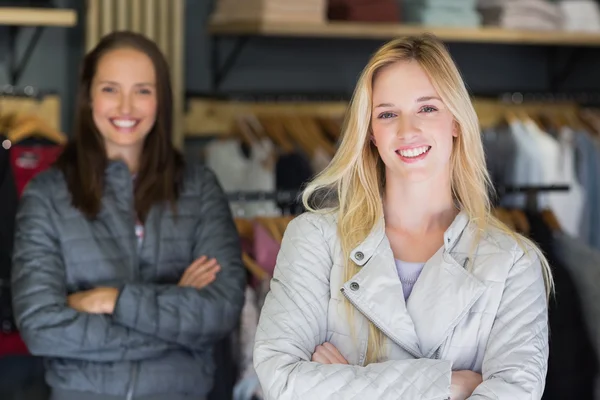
(124, 123)
(414, 153)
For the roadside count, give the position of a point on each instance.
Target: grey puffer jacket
(159, 339)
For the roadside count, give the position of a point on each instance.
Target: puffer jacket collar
(443, 294)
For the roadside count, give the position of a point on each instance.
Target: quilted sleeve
(516, 357)
(47, 324)
(293, 322)
(190, 317)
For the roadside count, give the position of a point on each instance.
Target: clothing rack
(531, 191)
(522, 97)
(29, 91)
(279, 196)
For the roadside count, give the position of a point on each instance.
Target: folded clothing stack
(580, 15)
(292, 11)
(541, 15)
(453, 13)
(364, 10)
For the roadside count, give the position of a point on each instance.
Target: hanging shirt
(237, 172)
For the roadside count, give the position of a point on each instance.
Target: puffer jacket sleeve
(47, 324)
(516, 357)
(293, 322)
(190, 317)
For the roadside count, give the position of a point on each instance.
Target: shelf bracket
(559, 72)
(16, 68)
(220, 71)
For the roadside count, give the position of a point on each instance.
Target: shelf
(356, 30)
(28, 16)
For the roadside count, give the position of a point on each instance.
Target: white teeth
(124, 123)
(414, 152)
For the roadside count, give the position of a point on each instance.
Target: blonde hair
(354, 180)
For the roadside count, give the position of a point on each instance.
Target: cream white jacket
(493, 320)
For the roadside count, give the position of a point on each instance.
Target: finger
(207, 264)
(330, 355)
(335, 353)
(203, 272)
(204, 281)
(320, 357)
(187, 276)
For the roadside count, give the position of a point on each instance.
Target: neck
(130, 157)
(419, 207)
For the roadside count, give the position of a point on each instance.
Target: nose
(408, 127)
(125, 104)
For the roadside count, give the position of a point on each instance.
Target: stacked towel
(292, 11)
(541, 15)
(581, 15)
(453, 13)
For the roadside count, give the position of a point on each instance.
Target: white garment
(580, 15)
(237, 173)
(568, 206)
(490, 317)
(527, 170)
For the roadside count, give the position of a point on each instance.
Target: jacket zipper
(136, 255)
(387, 333)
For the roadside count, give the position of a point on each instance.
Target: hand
(200, 273)
(328, 354)
(464, 384)
(96, 301)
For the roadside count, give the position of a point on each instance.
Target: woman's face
(124, 100)
(412, 128)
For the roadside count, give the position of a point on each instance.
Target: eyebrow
(419, 100)
(137, 84)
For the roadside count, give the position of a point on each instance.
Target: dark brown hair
(84, 158)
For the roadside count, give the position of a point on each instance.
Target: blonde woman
(404, 198)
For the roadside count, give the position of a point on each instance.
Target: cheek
(149, 108)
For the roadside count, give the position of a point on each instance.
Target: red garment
(28, 161)
(12, 344)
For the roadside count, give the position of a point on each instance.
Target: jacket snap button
(359, 255)
(354, 286)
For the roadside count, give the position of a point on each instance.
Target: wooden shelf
(29, 16)
(355, 30)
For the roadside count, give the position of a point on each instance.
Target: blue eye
(108, 89)
(145, 91)
(428, 109)
(386, 115)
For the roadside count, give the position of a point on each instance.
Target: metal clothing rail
(280, 196)
(531, 191)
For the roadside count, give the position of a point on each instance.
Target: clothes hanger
(255, 269)
(270, 224)
(242, 131)
(30, 126)
(331, 127)
(297, 131)
(504, 216)
(275, 130)
(314, 130)
(550, 220)
(520, 221)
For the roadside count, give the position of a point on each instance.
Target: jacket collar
(364, 251)
(443, 294)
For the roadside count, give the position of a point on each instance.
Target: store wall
(313, 66)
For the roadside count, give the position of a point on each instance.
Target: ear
(455, 129)
(373, 140)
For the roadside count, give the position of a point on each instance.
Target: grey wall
(300, 66)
